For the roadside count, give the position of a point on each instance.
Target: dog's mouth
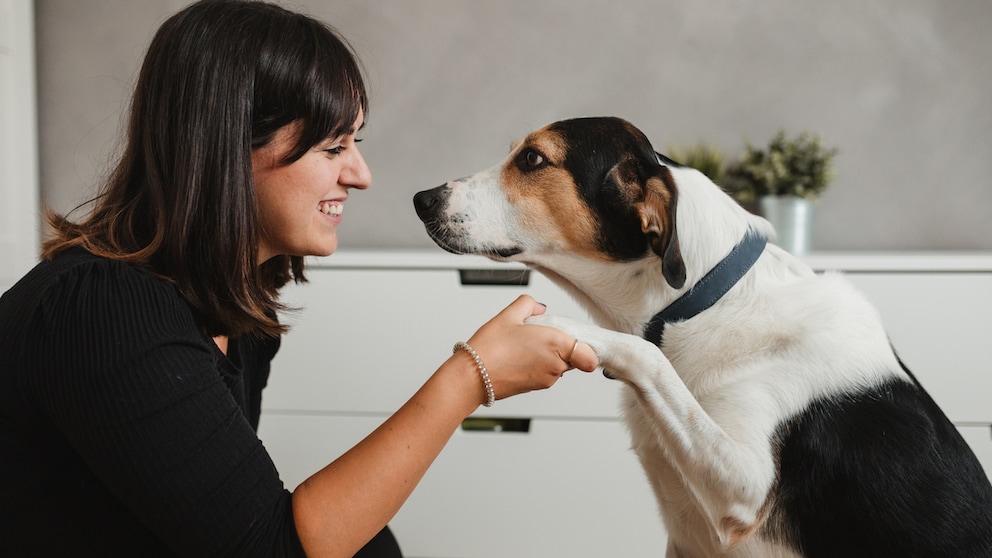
(446, 241)
(501, 253)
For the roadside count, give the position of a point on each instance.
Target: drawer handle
(492, 424)
(501, 277)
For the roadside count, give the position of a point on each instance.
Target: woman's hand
(521, 357)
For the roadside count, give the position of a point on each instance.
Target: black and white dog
(776, 420)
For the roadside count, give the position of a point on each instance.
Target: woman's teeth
(330, 208)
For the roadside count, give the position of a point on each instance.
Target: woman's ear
(657, 213)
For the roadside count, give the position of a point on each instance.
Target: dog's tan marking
(656, 208)
(653, 208)
(547, 200)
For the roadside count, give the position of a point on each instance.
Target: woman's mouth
(333, 208)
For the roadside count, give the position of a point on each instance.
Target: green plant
(701, 156)
(799, 166)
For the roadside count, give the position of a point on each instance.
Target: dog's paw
(592, 335)
(584, 332)
(620, 355)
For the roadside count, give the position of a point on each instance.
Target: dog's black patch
(879, 472)
(595, 147)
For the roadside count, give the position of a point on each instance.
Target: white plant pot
(792, 218)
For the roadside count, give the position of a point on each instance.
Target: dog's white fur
(703, 413)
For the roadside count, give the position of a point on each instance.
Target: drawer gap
(496, 425)
(498, 277)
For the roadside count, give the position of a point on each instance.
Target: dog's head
(594, 187)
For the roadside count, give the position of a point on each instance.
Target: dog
(776, 420)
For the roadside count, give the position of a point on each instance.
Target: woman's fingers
(583, 358)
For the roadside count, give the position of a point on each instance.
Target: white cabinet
(374, 325)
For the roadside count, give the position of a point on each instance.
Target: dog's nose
(429, 202)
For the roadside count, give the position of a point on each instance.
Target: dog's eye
(530, 159)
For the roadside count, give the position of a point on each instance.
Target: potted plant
(701, 156)
(784, 179)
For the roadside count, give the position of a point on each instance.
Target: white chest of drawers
(376, 324)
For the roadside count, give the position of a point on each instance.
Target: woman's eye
(533, 158)
(338, 149)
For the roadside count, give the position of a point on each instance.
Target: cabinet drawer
(565, 488)
(939, 324)
(365, 340)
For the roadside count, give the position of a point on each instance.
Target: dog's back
(879, 471)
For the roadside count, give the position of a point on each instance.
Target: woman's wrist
(464, 375)
(487, 383)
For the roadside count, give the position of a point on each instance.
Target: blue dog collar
(710, 288)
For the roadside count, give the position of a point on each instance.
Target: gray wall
(902, 87)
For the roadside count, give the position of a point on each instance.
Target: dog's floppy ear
(657, 213)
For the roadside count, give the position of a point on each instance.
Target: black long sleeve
(123, 431)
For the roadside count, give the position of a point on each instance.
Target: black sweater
(123, 430)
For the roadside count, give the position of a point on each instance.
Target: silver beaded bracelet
(490, 394)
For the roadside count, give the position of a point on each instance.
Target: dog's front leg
(728, 470)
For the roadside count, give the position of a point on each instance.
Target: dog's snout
(429, 202)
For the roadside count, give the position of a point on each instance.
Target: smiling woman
(133, 357)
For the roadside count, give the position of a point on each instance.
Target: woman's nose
(356, 173)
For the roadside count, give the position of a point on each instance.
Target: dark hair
(218, 80)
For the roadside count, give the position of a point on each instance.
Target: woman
(133, 356)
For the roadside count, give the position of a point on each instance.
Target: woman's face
(300, 204)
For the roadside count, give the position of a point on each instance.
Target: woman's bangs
(333, 97)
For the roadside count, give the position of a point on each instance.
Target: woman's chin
(326, 249)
